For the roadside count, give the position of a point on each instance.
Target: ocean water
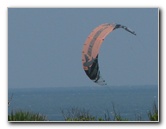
(131, 102)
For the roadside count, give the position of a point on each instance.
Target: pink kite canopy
(91, 50)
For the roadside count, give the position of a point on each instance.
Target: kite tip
(134, 33)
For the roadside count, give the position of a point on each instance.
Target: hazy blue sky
(45, 45)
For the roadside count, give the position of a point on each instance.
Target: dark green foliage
(114, 116)
(153, 115)
(25, 116)
(117, 116)
(76, 114)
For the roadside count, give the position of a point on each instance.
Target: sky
(45, 46)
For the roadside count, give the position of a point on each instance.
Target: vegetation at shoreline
(78, 114)
(153, 115)
(26, 116)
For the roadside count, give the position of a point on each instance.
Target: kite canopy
(91, 50)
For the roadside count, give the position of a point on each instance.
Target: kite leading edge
(91, 50)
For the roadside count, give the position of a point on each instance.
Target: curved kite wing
(91, 50)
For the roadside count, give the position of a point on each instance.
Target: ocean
(130, 102)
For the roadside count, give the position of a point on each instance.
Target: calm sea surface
(131, 102)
